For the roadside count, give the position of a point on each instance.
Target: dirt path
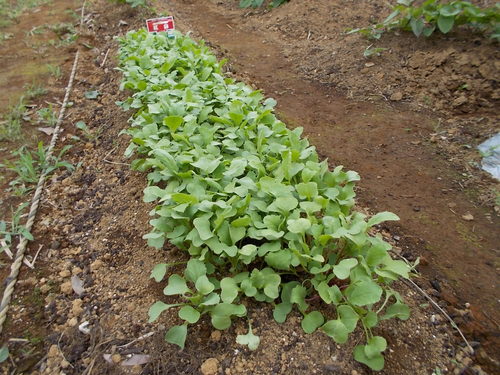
(384, 144)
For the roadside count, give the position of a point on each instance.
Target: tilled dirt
(92, 223)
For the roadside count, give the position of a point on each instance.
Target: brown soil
(92, 221)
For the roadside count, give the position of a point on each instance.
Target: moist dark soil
(91, 222)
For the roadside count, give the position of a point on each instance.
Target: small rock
(64, 364)
(53, 352)
(76, 308)
(84, 328)
(54, 245)
(45, 289)
(96, 265)
(354, 372)
(369, 64)
(468, 217)
(66, 288)
(65, 273)
(210, 367)
(216, 335)
(72, 322)
(452, 205)
(459, 101)
(397, 96)
(116, 358)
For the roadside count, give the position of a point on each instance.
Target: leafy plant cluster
(249, 201)
(432, 15)
(258, 3)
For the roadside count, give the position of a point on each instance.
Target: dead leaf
(468, 217)
(77, 285)
(48, 131)
(137, 359)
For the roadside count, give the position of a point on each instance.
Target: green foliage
(10, 229)
(248, 200)
(258, 3)
(4, 353)
(432, 15)
(29, 165)
(134, 3)
(10, 126)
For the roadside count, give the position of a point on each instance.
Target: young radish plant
(249, 201)
(432, 15)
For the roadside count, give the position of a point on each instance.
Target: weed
(376, 51)
(28, 166)
(10, 126)
(258, 3)
(47, 116)
(134, 3)
(54, 71)
(34, 90)
(10, 229)
(432, 15)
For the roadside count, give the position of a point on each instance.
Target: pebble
(65, 273)
(76, 308)
(397, 96)
(66, 288)
(468, 217)
(210, 367)
(116, 358)
(96, 265)
(216, 335)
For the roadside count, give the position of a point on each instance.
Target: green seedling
(248, 200)
(10, 125)
(13, 228)
(377, 51)
(54, 71)
(29, 165)
(47, 116)
(434, 15)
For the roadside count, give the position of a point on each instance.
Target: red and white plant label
(160, 24)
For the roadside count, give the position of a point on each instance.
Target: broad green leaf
(343, 269)
(298, 296)
(176, 285)
(173, 122)
(189, 314)
(336, 330)
(221, 322)
(376, 363)
(312, 321)
(307, 190)
(203, 285)
(381, 217)
(279, 260)
(202, 225)
(194, 269)
(298, 225)
(371, 319)
(158, 272)
(184, 198)
(249, 339)
(157, 308)
(229, 289)
(281, 311)
(449, 11)
(364, 293)
(210, 300)
(375, 346)
(417, 26)
(445, 24)
(177, 335)
(206, 164)
(4, 353)
(348, 316)
(399, 310)
(244, 221)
